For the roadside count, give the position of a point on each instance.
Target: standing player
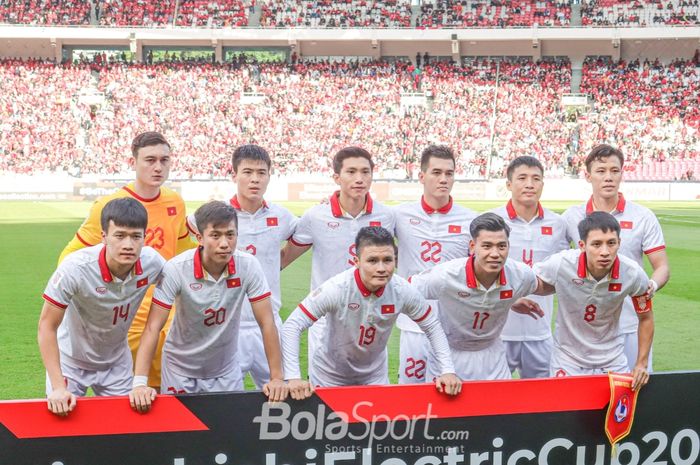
(640, 231)
(475, 296)
(331, 228)
(210, 284)
(535, 234)
(431, 231)
(591, 285)
(89, 304)
(361, 305)
(166, 232)
(262, 227)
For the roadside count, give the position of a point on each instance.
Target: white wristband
(655, 287)
(140, 381)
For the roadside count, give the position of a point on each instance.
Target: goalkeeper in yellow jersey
(166, 232)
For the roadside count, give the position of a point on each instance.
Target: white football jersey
(99, 307)
(640, 234)
(359, 322)
(332, 233)
(427, 237)
(471, 315)
(531, 242)
(587, 326)
(203, 339)
(261, 234)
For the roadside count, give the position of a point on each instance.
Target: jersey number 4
(430, 251)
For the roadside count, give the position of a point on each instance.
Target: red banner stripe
(97, 416)
(478, 398)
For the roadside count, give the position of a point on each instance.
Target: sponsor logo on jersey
(233, 282)
(507, 294)
(559, 373)
(353, 306)
(454, 229)
(463, 294)
(142, 282)
(101, 290)
(615, 287)
(172, 211)
(414, 221)
(272, 221)
(546, 230)
(578, 282)
(195, 286)
(251, 249)
(388, 309)
(626, 225)
(375, 223)
(333, 224)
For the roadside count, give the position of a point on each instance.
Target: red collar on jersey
(620, 207)
(138, 197)
(471, 274)
(337, 210)
(512, 214)
(430, 210)
(104, 269)
(582, 270)
(199, 268)
(237, 205)
(363, 290)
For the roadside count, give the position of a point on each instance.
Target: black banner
(555, 421)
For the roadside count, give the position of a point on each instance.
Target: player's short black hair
(126, 212)
(436, 151)
(214, 213)
(525, 160)
(374, 235)
(350, 152)
(250, 152)
(147, 139)
(488, 222)
(602, 221)
(603, 151)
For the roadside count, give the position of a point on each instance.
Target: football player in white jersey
(331, 227)
(361, 306)
(535, 234)
(430, 231)
(90, 302)
(476, 294)
(262, 227)
(210, 284)
(591, 286)
(640, 231)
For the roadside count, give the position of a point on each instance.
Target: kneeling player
(475, 296)
(361, 306)
(209, 283)
(98, 290)
(591, 286)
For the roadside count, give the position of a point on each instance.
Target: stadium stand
(45, 12)
(135, 12)
(212, 13)
(639, 12)
(328, 13)
(494, 13)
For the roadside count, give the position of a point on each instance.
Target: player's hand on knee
(276, 390)
(61, 402)
(300, 389)
(528, 307)
(141, 398)
(448, 383)
(640, 377)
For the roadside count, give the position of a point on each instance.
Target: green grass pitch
(32, 235)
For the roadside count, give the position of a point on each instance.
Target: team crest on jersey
(578, 282)
(507, 294)
(333, 224)
(546, 230)
(614, 287)
(626, 225)
(142, 282)
(195, 286)
(172, 211)
(353, 306)
(233, 282)
(463, 294)
(272, 221)
(414, 221)
(454, 229)
(388, 309)
(101, 290)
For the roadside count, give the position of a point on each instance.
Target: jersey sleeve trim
(187, 233)
(54, 302)
(425, 315)
(297, 243)
(260, 297)
(85, 243)
(307, 312)
(162, 304)
(655, 249)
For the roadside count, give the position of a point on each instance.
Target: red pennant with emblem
(507, 294)
(546, 230)
(172, 211)
(387, 309)
(454, 229)
(375, 223)
(614, 287)
(272, 221)
(625, 225)
(142, 282)
(233, 282)
(623, 400)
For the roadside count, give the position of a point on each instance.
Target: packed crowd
(328, 13)
(310, 110)
(135, 12)
(213, 13)
(493, 13)
(639, 12)
(49, 12)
